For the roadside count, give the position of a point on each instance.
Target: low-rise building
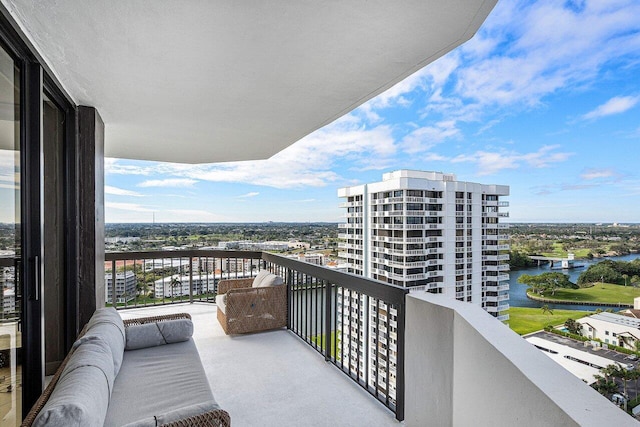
(125, 286)
(612, 328)
(178, 286)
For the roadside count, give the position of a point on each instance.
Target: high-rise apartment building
(426, 231)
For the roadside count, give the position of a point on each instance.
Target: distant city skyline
(545, 99)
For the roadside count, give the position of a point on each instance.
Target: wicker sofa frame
(252, 309)
(215, 418)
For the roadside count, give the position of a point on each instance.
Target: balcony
(298, 388)
(303, 382)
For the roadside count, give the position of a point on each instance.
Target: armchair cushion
(221, 302)
(259, 278)
(270, 280)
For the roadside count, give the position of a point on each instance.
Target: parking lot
(622, 358)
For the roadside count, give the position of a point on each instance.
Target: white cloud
(115, 167)
(434, 157)
(592, 173)
(308, 163)
(489, 163)
(250, 194)
(171, 182)
(9, 166)
(427, 137)
(616, 105)
(128, 207)
(115, 191)
(528, 50)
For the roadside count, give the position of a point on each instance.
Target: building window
(606, 332)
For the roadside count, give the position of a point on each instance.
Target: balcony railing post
(290, 295)
(191, 280)
(328, 312)
(113, 284)
(400, 359)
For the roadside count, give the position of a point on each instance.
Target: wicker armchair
(244, 309)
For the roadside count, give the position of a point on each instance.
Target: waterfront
(517, 291)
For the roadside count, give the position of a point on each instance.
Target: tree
(600, 272)
(175, 283)
(547, 282)
(621, 373)
(519, 259)
(573, 326)
(546, 310)
(605, 386)
(625, 277)
(635, 376)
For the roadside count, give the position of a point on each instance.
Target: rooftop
(273, 378)
(618, 319)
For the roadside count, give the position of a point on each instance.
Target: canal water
(517, 291)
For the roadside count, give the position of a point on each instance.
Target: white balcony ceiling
(211, 81)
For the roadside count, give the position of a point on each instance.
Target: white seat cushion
(270, 280)
(259, 278)
(221, 302)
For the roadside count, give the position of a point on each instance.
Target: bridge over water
(567, 262)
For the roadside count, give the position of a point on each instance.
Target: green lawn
(319, 340)
(558, 252)
(599, 292)
(524, 320)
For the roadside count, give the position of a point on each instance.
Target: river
(517, 291)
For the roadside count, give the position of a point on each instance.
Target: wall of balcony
(467, 369)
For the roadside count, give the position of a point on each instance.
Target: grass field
(599, 292)
(319, 340)
(524, 320)
(558, 252)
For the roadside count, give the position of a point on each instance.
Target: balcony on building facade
(497, 286)
(496, 298)
(497, 308)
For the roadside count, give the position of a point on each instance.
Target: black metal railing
(141, 279)
(356, 323)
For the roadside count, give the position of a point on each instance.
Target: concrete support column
(90, 182)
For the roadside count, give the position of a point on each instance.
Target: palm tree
(175, 283)
(635, 375)
(546, 310)
(622, 373)
(605, 386)
(625, 277)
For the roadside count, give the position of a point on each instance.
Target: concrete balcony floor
(273, 378)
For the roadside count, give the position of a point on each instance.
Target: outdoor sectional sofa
(135, 373)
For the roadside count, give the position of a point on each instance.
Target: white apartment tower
(426, 231)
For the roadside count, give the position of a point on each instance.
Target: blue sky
(545, 98)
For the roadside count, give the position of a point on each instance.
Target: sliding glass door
(11, 284)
